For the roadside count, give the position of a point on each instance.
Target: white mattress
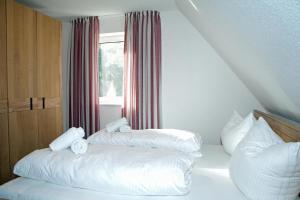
(211, 181)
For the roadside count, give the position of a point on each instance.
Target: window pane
(111, 61)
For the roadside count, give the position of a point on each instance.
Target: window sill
(104, 101)
(110, 104)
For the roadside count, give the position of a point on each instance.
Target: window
(111, 65)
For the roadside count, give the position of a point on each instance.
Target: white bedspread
(210, 182)
(113, 169)
(159, 138)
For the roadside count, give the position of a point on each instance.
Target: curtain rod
(70, 18)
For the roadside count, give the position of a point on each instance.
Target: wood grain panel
(3, 72)
(21, 51)
(48, 56)
(50, 125)
(3, 106)
(49, 78)
(23, 134)
(18, 105)
(4, 142)
(49, 102)
(288, 131)
(4, 149)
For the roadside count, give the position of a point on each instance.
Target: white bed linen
(115, 169)
(210, 182)
(180, 140)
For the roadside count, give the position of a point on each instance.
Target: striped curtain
(142, 69)
(84, 80)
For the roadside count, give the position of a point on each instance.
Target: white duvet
(113, 169)
(159, 138)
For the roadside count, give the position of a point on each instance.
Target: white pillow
(264, 167)
(235, 130)
(234, 121)
(115, 125)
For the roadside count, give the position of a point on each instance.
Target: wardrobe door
(49, 78)
(3, 67)
(3, 74)
(4, 149)
(21, 56)
(4, 145)
(21, 74)
(23, 132)
(50, 125)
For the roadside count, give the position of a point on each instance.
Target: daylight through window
(111, 61)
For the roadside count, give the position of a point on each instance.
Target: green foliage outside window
(111, 61)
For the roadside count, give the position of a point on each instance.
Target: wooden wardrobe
(30, 83)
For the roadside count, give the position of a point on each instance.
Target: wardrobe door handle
(31, 105)
(43, 99)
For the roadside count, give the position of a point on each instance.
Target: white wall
(112, 23)
(66, 31)
(199, 91)
(109, 113)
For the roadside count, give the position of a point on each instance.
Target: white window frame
(110, 38)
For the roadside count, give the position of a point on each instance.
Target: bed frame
(287, 130)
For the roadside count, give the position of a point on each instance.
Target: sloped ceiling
(72, 8)
(260, 40)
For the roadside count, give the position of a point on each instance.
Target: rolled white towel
(79, 146)
(125, 129)
(115, 125)
(65, 140)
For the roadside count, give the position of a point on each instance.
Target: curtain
(142, 69)
(84, 80)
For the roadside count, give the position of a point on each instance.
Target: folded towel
(115, 125)
(65, 140)
(125, 129)
(79, 146)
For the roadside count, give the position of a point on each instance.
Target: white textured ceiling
(260, 40)
(73, 8)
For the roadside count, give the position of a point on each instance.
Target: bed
(210, 176)
(210, 181)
